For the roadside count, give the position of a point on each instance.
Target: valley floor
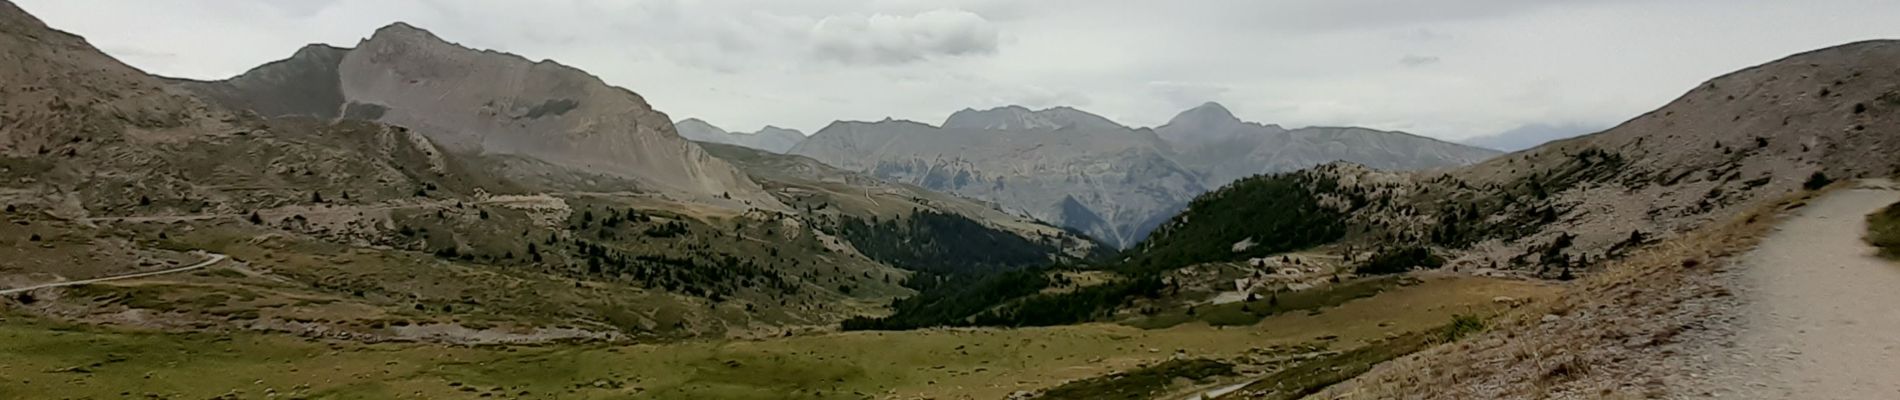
(41, 359)
(1816, 317)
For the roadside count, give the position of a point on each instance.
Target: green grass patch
(1883, 231)
(1251, 312)
(1312, 376)
(1143, 383)
(1462, 325)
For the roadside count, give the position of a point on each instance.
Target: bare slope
(486, 102)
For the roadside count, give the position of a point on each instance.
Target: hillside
(491, 103)
(1630, 213)
(1722, 148)
(359, 227)
(1696, 178)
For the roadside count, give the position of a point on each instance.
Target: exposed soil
(1816, 316)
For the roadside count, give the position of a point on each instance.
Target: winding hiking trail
(215, 258)
(1819, 315)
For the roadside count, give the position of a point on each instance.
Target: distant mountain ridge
(1086, 172)
(1064, 166)
(770, 138)
(493, 103)
(1531, 135)
(1223, 148)
(1020, 118)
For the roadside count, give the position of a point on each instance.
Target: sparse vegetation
(1462, 325)
(927, 240)
(1312, 376)
(1231, 223)
(1252, 311)
(1140, 384)
(1400, 260)
(1817, 181)
(1883, 230)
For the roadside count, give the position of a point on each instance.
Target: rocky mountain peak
(403, 30)
(1203, 121)
(1015, 117)
(770, 130)
(999, 118)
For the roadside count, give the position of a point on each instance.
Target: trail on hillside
(213, 259)
(1819, 315)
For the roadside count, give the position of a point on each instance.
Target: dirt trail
(1819, 315)
(214, 259)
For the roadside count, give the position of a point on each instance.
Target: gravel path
(215, 258)
(1819, 315)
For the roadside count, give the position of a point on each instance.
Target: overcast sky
(1445, 68)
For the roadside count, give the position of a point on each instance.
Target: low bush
(1883, 231)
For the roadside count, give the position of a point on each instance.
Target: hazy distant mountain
(1061, 165)
(493, 103)
(1085, 172)
(1019, 117)
(1223, 148)
(771, 138)
(1531, 135)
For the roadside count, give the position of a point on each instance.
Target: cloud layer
(894, 39)
(1452, 69)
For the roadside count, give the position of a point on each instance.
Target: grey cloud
(299, 8)
(1413, 60)
(898, 39)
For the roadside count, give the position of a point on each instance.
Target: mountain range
(409, 175)
(411, 217)
(1086, 172)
